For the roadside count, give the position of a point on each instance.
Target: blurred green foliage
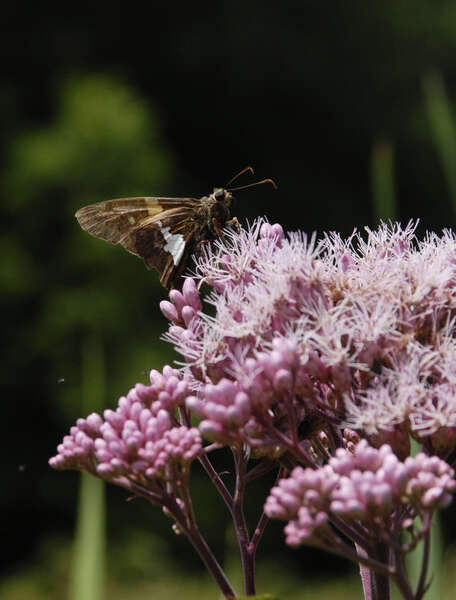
(383, 187)
(88, 566)
(104, 142)
(443, 128)
(47, 579)
(61, 287)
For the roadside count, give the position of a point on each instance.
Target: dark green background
(173, 98)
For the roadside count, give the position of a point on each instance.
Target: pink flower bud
(191, 296)
(188, 313)
(169, 311)
(177, 299)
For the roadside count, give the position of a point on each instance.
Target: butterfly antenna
(239, 174)
(243, 187)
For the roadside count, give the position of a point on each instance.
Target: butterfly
(164, 232)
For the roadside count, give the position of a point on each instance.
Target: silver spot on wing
(175, 243)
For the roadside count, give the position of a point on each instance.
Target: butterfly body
(164, 232)
(213, 213)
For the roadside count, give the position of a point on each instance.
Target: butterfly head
(222, 196)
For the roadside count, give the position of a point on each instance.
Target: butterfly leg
(234, 223)
(199, 248)
(218, 229)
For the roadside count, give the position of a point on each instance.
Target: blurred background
(347, 105)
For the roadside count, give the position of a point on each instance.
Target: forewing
(115, 220)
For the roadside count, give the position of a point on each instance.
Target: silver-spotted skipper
(164, 232)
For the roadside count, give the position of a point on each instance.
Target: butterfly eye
(219, 194)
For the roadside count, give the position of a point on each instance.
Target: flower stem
(376, 586)
(421, 588)
(240, 525)
(208, 467)
(212, 565)
(401, 578)
(215, 478)
(258, 533)
(193, 534)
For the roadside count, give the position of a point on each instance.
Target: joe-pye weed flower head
(319, 358)
(358, 332)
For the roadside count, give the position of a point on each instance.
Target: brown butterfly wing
(156, 229)
(114, 220)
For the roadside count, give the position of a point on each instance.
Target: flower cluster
(367, 488)
(359, 332)
(329, 355)
(232, 410)
(138, 441)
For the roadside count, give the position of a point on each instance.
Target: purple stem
(258, 533)
(292, 421)
(336, 439)
(356, 535)
(208, 467)
(263, 521)
(400, 577)
(205, 553)
(294, 449)
(380, 583)
(214, 477)
(260, 469)
(366, 574)
(191, 531)
(155, 497)
(421, 588)
(240, 525)
(199, 543)
(185, 495)
(342, 549)
(373, 583)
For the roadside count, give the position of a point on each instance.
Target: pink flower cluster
(231, 410)
(304, 338)
(365, 488)
(301, 349)
(140, 439)
(369, 322)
